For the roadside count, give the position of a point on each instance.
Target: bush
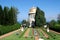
(9, 28)
(56, 27)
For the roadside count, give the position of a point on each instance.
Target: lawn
(19, 36)
(52, 36)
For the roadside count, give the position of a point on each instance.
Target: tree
(12, 15)
(58, 19)
(39, 18)
(52, 23)
(8, 16)
(1, 10)
(6, 19)
(24, 22)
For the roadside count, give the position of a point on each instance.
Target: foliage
(8, 19)
(58, 19)
(52, 22)
(54, 25)
(8, 15)
(6, 29)
(25, 22)
(39, 17)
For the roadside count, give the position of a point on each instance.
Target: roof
(32, 10)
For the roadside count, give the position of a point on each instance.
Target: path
(5, 35)
(55, 32)
(44, 33)
(36, 35)
(26, 34)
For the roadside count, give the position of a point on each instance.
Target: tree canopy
(39, 17)
(8, 15)
(58, 19)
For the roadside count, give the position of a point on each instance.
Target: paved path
(26, 34)
(5, 35)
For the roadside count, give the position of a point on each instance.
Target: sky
(50, 7)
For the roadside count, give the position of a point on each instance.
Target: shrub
(9, 28)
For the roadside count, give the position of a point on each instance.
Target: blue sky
(50, 7)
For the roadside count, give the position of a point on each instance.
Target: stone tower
(31, 14)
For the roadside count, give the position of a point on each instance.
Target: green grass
(52, 36)
(15, 36)
(41, 34)
(30, 33)
(18, 37)
(28, 38)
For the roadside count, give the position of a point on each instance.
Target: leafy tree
(1, 10)
(6, 19)
(8, 15)
(58, 19)
(39, 18)
(24, 22)
(52, 23)
(12, 15)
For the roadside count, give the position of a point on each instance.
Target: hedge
(9, 28)
(55, 27)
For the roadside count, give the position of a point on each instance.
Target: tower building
(31, 14)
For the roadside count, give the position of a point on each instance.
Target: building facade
(31, 14)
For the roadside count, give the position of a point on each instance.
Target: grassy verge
(52, 36)
(23, 32)
(31, 36)
(31, 32)
(40, 33)
(19, 36)
(14, 36)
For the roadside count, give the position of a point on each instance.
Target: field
(19, 35)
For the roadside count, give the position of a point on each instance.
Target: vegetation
(6, 29)
(58, 19)
(8, 15)
(39, 18)
(25, 22)
(55, 25)
(8, 20)
(19, 37)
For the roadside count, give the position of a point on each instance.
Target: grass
(30, 33)
(52, 36)
(19, 36)
(40, 34)
(15, 36)
(28, 38)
